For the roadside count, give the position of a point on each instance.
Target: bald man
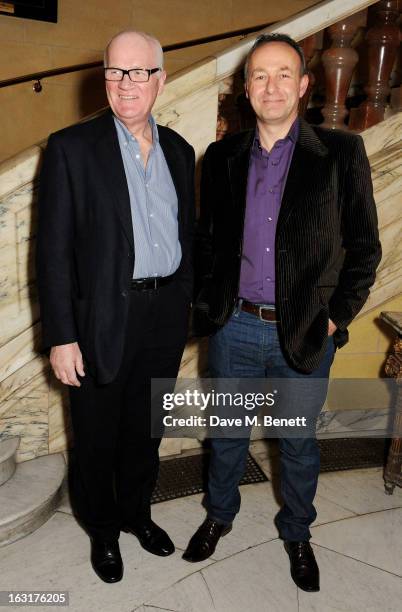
(115, 279)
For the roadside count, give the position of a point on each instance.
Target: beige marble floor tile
(65, 504)
(56, 557)
(360, 491)
(350, 586)
(189, 595)
(370, 538)
(255, 580)
(152, 609)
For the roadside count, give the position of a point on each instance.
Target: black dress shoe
(303, 566)
(106, 559)
(151, 537)
(203, 543)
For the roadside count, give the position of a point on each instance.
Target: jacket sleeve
(188, 230)
(55, 244)
(360, 240)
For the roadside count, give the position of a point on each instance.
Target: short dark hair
(264, 39)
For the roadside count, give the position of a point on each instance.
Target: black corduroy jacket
(327, 247)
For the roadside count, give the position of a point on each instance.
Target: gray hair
(150, 39)
(264, 39)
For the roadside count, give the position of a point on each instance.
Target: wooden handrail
(38, 76)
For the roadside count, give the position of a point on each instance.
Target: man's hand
(331, 328)
(66, 361)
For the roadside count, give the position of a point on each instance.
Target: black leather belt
(265, 313)
(145, 284)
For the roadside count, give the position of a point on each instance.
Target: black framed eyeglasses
(136, 75)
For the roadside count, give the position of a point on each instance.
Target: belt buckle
(260, 309)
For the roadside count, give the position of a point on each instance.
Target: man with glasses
(288, 251)
(115, 281)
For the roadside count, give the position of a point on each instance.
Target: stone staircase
(29, 492)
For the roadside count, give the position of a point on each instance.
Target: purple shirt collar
(292, 135)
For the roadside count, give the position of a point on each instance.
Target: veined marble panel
(387, 182)
(353, 423)
(383, 146)
(18, 302)
(19, 170)
(186, 82)
(25, 414)
(60, 429)
(194, 362)
(383, 135)
(389, 207)
(19, 351)
(388, 283)
(22, 376)
(194, 117)
(391, 245)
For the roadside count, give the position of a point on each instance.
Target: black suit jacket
(85, 246)
(326, 249)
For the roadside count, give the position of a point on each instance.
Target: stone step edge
(29, 521)
(8, 451)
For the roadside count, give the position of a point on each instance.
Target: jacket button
(124, 293)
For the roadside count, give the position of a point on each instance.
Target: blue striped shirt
(154, 206)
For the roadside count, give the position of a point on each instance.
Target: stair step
(30, 497)
(8, 449)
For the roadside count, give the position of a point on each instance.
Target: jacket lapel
(308, 155)
(177, 173)
(109, 156)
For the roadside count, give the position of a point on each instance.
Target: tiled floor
(356, 538)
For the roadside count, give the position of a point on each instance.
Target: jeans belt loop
(237, 309)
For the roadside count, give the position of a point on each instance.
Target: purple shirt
(265, 186)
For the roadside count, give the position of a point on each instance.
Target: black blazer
(85, 246)
(327, 247)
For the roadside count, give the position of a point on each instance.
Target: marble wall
(32, 404)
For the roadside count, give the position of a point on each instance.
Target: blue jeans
(247, 347)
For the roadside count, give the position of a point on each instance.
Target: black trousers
(116, 460)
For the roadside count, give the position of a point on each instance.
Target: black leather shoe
(106, 559)
(303, 566)
(203, 543)
(151, 537)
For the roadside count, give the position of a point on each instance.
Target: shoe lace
(303, 551)
(209, 528)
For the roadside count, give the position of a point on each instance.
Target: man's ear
(303, 85)
(162, 79)
(246, 89)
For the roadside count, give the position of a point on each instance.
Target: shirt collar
(292, 135)
(125, 132)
